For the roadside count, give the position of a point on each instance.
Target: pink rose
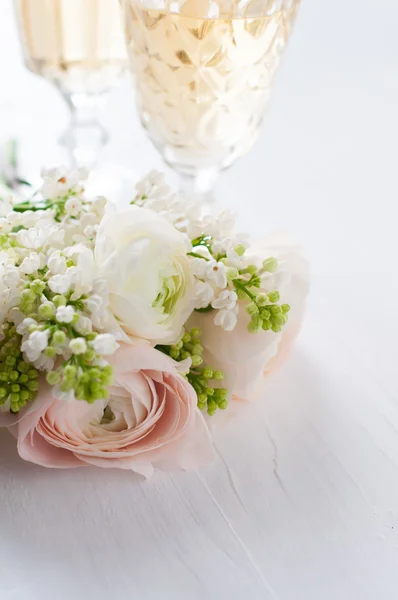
(245, 357)
(151, 419)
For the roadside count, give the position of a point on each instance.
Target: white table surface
(302, 501)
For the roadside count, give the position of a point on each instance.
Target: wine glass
(203, 71)
(78, 45)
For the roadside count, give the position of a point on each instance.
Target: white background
(302, 501)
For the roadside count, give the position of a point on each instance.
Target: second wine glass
(77, 45)
(203, 72)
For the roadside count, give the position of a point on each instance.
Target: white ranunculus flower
(143, 259)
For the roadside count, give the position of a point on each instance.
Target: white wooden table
(302, 501)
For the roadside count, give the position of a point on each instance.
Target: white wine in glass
(203, 73)
(78, 45)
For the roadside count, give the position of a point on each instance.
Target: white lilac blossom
(75, 280)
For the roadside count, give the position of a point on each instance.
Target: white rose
(143, 259)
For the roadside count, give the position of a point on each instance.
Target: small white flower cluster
(50, 291)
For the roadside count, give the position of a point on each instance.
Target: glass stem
(199, 186)
(85, 135)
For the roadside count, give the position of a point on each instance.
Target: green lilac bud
(67, 385)
(47, 310)
(15, 387)
(270, 265)
(211, 407)
(186, 338)
(59, 300)
(252, 269)
(59, 337)
(89, 355)
(275, 310)
(285, 308)
(262, 300)
(195, 333)
(276, 328)
(33, 385)
(231, 273)
(53, 377)
(265, 314)
(218, 375)
(23, 379)
(174, 353)
(25, 395)
(197, 349)
(279, 320)
(274, 296)
(255, 324)
(266, 325)
(209, 391)
(70, 371)
(240, 249)
(50, 352)
(13, 376)
(202, 398)
(196, 360)
(252, 309)
(208, 373)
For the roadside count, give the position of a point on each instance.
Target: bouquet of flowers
(124, 331)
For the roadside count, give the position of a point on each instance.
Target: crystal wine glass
(203, 71)
(78, 45)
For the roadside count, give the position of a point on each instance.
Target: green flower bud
(285, 308)
(53, 377)
(70, 371)
(59, 338)
(270, 265)
(50, 352)
(208, 373)
(25, 395)
(278, 320)
(265, 314)
(209, 391)
(186, 338)
(59, 300)
(252, 309)
(202, 398)
(266, 325)
(262, 300)
(231, 273)
(211, 407)
(174, 353)
(195, 333)
(13, 376)
(89, 355)
(67, 385)
(255, 324)
(196, 360)
(240, 249)
(274, 296)
(70, 263)
(252, 269)
(275, 309)
(276, 328)
(47, 310)
(3, 392)
(218, 375)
